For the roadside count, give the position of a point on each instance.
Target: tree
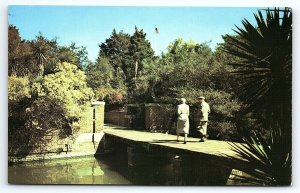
(222, 76)
(19, 54)
(81, 56)
(44, 54)
(52, 102)
(265, 64)
(67, 85)
(139, 49)
(149, 78)
(189, 64)
(125, 53)
(66, 54)
(188, 70)
(44, 94)
(99, 74)
(106, 86)
(18, 94)
(74, 55)
(116, 49)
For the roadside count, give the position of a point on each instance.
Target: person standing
(183, 125)
(203, 111)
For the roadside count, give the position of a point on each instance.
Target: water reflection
(83, 170)
(124, 166)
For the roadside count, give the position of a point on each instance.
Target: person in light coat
(204, 111)
(183, 125)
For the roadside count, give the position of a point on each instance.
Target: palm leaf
(265, 66)
(265, 160)
(265, 55)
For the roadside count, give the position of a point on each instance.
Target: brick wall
(160, 117)
(85, 124)
(163, 118)
(151, 116)
(130, 115)
(117, 117)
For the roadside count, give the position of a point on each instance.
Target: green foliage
(115, 48)
(181, 51)
(18, 88)
(223, 119)
(19, 95)
(100, 74)
(139, 49)
(194, 65)
(224, 130)
(151, 75)
(44, 92)
(265, 64)
(67, 55)
(191, 64)
(125, 54)
(74, 55)
(46, 114)
(81, 56)
(40, 56)
(111, 96)
(66, 85)
(52, 102)
(30, 122)
(44, 54)
(19, 54)
(222, 75)
(106, 87)
(270, 162)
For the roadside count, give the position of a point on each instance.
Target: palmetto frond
(265, 59)
(268, 163)
(265, 65)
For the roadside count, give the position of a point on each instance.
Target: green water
(81, 170)
(118, 168)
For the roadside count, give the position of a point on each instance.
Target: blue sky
(90, 25)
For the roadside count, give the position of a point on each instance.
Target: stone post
(98, 116)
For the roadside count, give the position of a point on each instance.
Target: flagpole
(156, 32)
(155, 41)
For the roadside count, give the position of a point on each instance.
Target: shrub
(18, 88)
(224, 108)
(54, 102)
(111, 96)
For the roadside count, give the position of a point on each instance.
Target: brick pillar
(98, 116)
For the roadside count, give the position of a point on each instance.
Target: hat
(201, 97)
(183, 100)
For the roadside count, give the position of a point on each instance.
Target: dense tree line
(127, 71)
(56, 79)
(47, 89)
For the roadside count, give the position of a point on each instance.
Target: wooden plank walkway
(210, 147)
